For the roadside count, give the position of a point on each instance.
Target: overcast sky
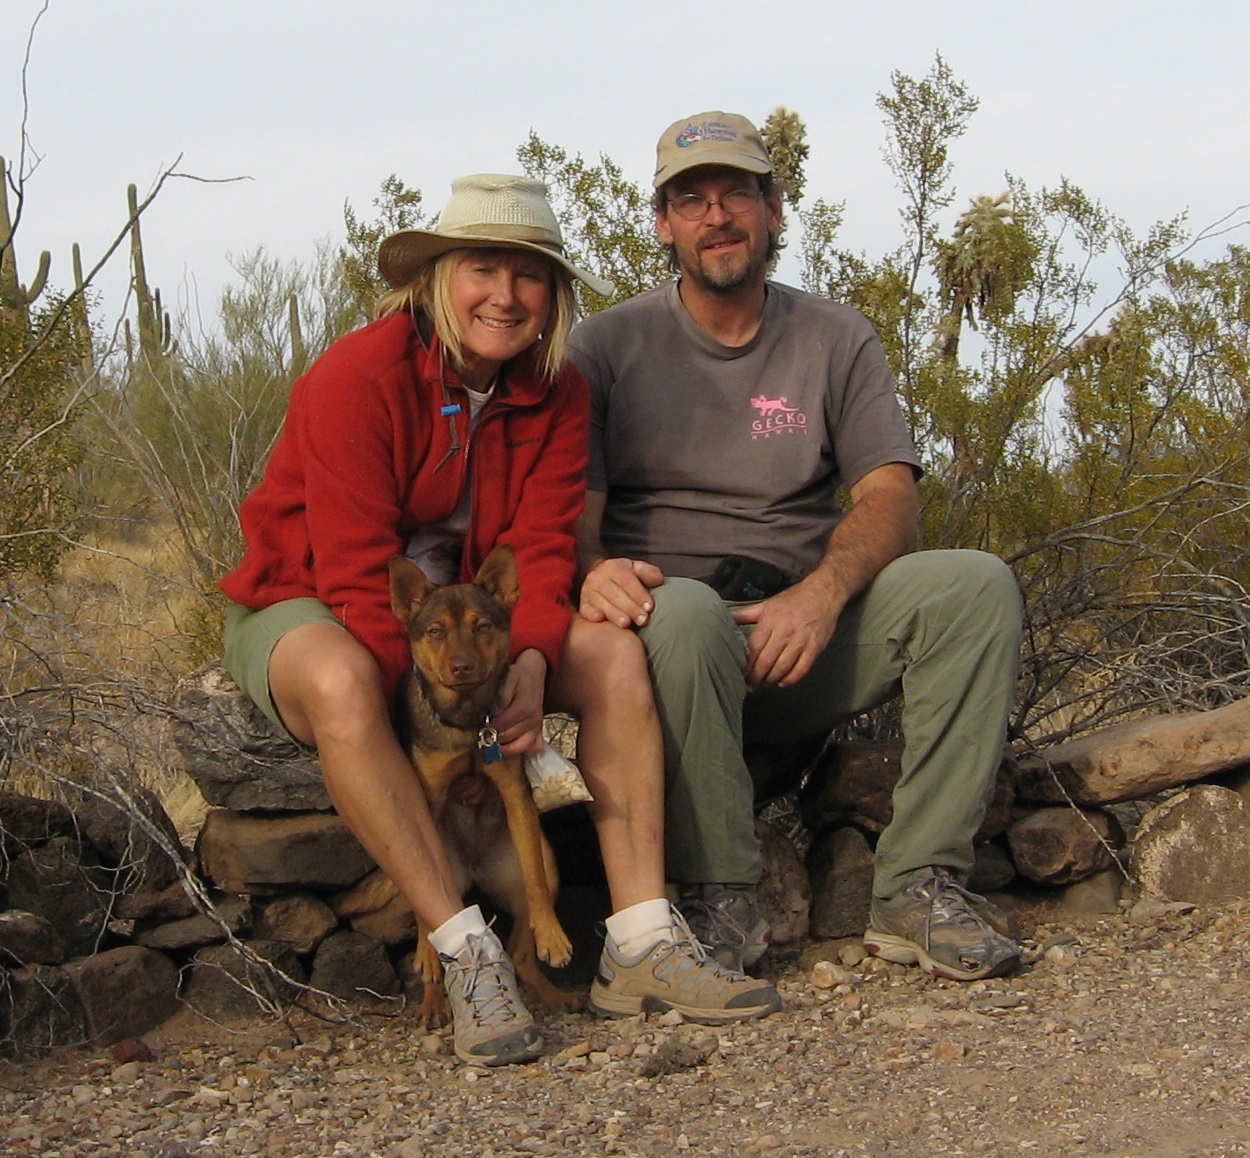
(1142, 103)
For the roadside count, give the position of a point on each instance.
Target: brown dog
(480, 800)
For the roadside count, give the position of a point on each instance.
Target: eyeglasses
(692, 207)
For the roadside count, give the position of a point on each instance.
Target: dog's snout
(464, 668)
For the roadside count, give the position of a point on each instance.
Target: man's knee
(689, 618)
(989, 587)
(964, 582)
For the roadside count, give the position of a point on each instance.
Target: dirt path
(1126, 1036)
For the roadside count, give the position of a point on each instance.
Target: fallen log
(1138, 759)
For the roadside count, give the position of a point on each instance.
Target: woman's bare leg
(604, 681)
(328, 690)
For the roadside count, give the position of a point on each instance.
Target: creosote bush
(1086, 425)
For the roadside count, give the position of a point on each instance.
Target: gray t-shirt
(705, 450)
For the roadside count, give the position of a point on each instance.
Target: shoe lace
(485, 989)
(685, 949)
(950, 902)
(720, 925)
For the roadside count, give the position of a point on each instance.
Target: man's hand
(790, 630)
(795, 626)
(518, 717)
(619, 591)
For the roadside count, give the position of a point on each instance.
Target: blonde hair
(429, 292)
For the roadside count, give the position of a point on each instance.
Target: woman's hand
(619, 590)
(518, 717)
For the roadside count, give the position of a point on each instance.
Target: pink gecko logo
(777, 416)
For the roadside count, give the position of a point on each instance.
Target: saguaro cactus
(154, 328)
(15, 298)
(299, 349)
(81, 320)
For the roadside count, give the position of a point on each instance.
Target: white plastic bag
(554, 780)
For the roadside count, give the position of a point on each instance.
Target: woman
(450, 424)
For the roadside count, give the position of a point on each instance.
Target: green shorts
(249, 640)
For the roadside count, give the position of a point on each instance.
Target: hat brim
(744, 161)
(401, 256)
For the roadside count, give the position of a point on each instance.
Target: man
(727, 412)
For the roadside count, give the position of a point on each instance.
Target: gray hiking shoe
(725, 919)
(491, 1026)
(678, 974)
(939, 925)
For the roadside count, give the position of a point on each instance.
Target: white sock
(639, 928)
(450, 937)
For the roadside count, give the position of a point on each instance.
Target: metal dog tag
(488, 745)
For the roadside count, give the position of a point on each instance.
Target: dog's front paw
(435, 1009)
(553, 944)
(426, 963)
(561, 1000)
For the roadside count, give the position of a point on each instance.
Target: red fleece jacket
(367, 455)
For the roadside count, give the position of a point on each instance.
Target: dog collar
(487, 737)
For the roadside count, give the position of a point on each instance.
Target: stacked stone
(1059, 826)
(74, 884)
(106, 929)
(108, 925)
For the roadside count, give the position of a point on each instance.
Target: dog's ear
(409, 587)
(498, 577)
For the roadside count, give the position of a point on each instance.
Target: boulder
(356, 968)
(28, 822)
(853, 783)
(784, 897)
(839, 866)
(298, 919)
(28, 939)
(65, 882)
(1057, 846)
(125, 992)
(1097, 894)
(1195, 847)
(223, 985)
(124, 842)
(39, 1010)
(236, 755)
(246, 853)
(992, 870)
(393, 924)
(230, 914)
(167, 905)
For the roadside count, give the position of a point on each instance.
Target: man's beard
(725, 276)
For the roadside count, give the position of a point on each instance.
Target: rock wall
(108, 924)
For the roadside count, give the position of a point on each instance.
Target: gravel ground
(1123, 1035)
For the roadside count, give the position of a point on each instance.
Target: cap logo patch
(694, 134)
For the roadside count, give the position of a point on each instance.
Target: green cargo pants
(941, 628)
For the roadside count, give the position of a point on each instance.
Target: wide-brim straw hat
(485, 210)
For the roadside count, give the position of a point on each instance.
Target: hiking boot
(939, 925)
(678, 974)
(725, 919)
(491, 1026)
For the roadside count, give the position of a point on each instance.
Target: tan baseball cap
(713, 138)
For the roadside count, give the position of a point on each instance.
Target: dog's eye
(435, 631)
(485, 627)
